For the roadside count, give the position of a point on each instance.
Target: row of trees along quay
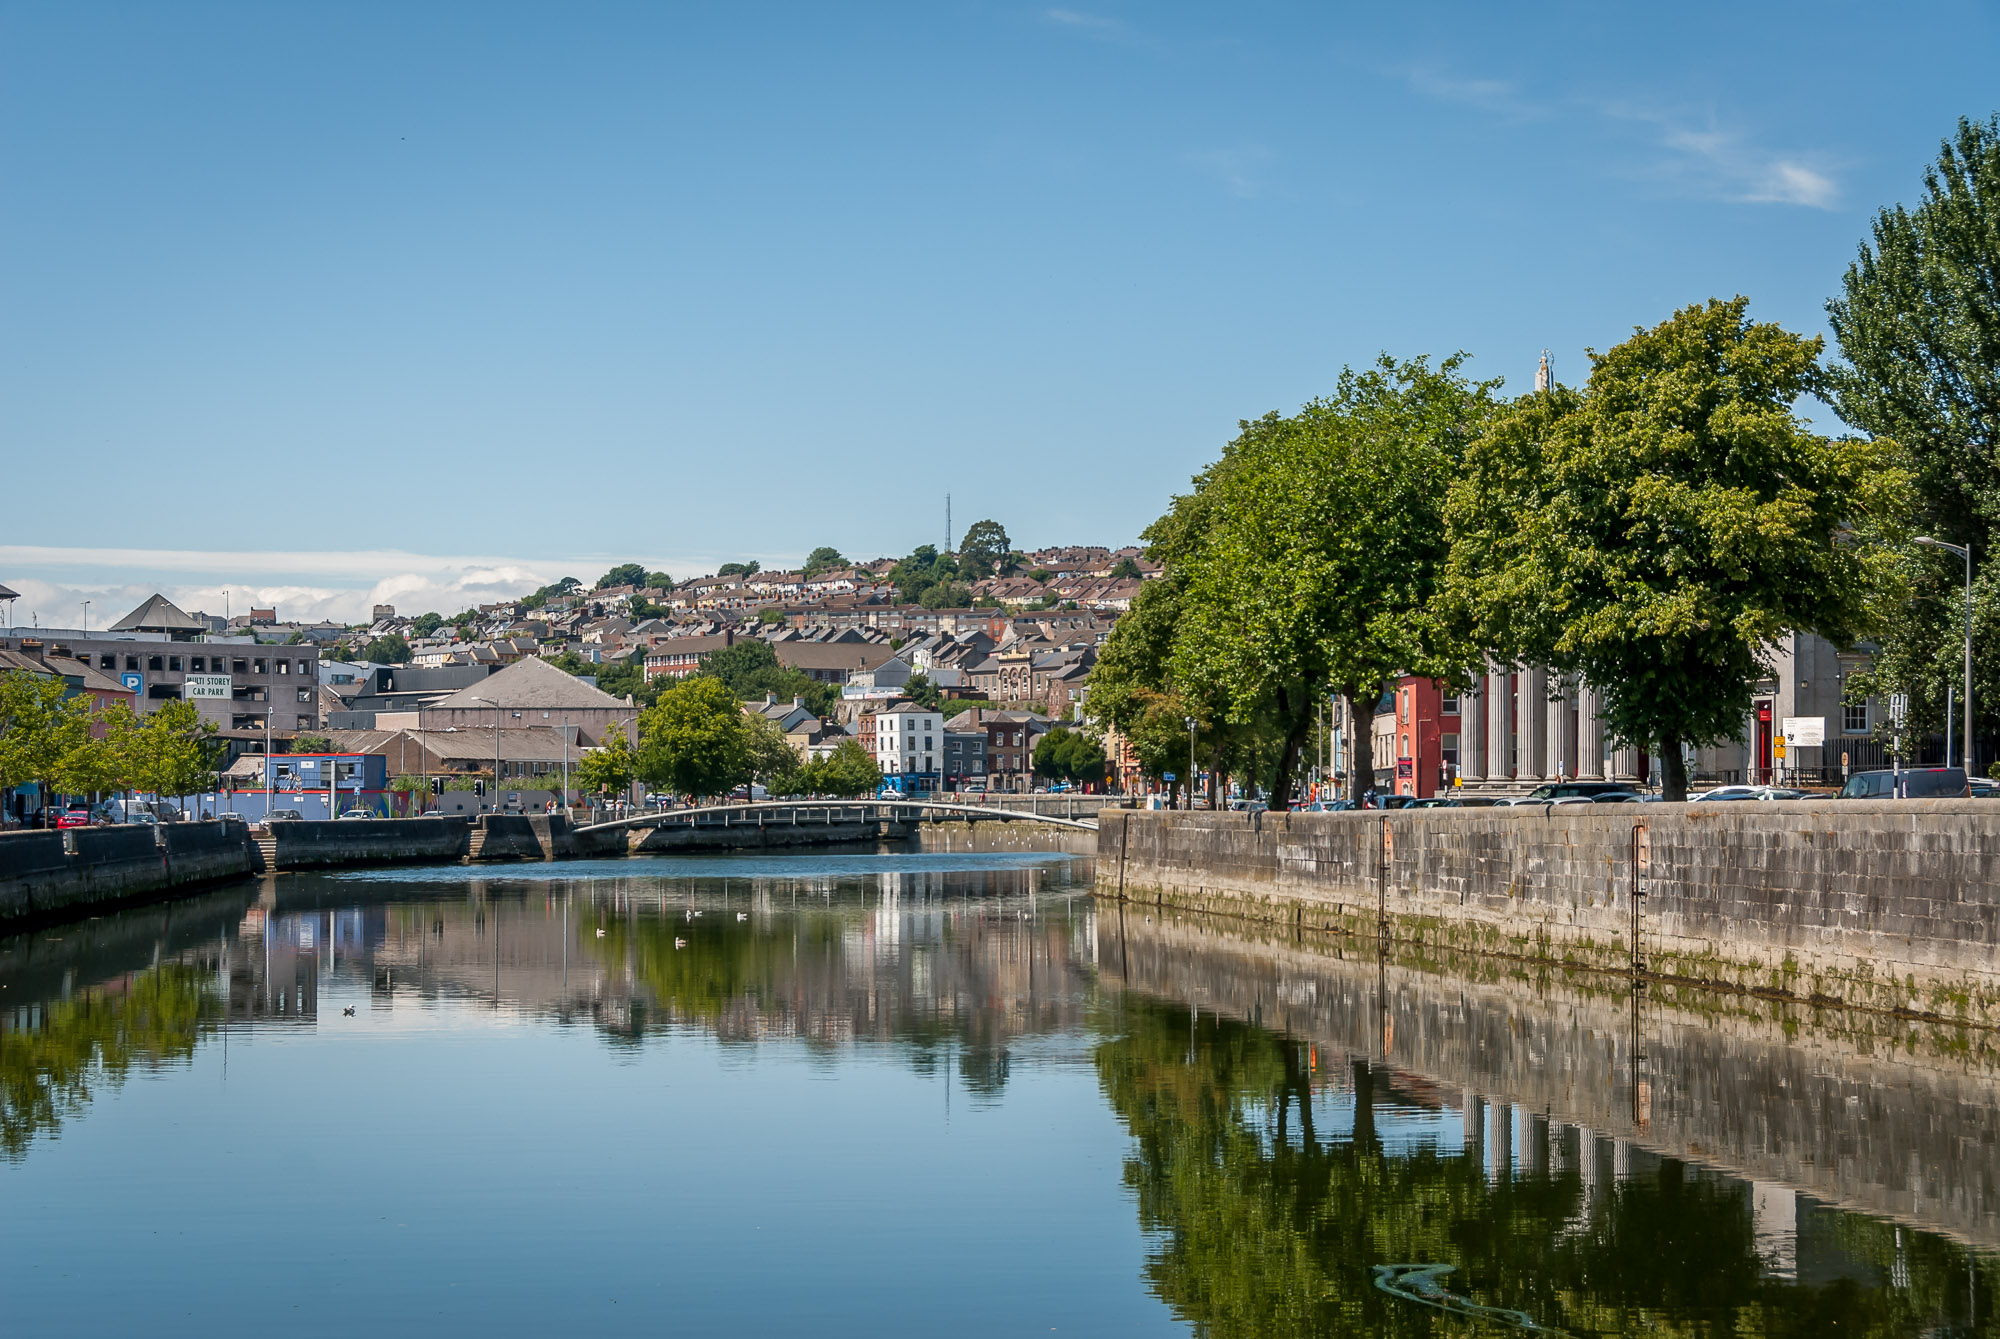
(696, 740)
(62, 743)
(1652, 531)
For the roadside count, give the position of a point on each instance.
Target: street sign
(133, 682)
(1805, 732)
(206, 685)
(1778, 747)
(1168, 776)
(1899, 707)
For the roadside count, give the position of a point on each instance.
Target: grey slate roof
(157, 614)
(532, 682)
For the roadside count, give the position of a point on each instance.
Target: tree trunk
(1361, 777)
(1288, 760)
(1673, 769)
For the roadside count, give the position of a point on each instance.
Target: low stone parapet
(1887, 905)
(50, 875)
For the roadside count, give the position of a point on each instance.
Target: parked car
(1983, 788)
(1914, 783)
(75, 817)
(1575, 790)
(1733, 793)
(286, 816)
(358, 813)
(1474, 802)
(1242, 806)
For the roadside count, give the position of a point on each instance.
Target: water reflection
(1311, 1142)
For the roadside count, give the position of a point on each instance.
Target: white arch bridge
(828, 813)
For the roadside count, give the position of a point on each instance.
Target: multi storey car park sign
(206, 685)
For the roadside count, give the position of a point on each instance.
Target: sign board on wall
(1805, 732)
(206, 685)
(133, 682)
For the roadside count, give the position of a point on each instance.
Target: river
(921, 1093)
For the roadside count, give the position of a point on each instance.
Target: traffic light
(437, 785)
(479, 789)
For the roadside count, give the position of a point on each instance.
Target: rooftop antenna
(1545, 375)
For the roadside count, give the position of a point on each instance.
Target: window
(1854, 718)
(305, 722)
(1449, 704)
(1450, 749)
(305, 694)
(240, 666)
(131, 662)
(284, 667)
(107, 662)
(173, 662)
(155, 662)
(197, 664)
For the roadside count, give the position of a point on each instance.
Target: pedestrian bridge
(814, 813)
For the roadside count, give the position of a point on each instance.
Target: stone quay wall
(319, 843)
(1884, 905)
(1887, 1116)
(51, 875)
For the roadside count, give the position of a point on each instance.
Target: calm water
(928, 1094)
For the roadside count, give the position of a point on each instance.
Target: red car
(74, 818)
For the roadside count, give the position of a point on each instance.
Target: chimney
(771, 700)
(798, 700)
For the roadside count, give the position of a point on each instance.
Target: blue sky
(428, 300)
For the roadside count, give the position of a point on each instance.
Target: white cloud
(305, 585)
(1492, 95)
(1095, 24)
(1237, 169)
(1708, 160)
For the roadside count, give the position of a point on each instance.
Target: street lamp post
(1190, 780)
(496, 748)
(1964, 551)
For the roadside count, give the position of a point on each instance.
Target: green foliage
(426, 624)
(387, 650)
(983, 550)
(750, 669)
(660, 580)
(625, 574)
(1125, 570)
(554, 590)
(770, 615)
(1658, 532)
(44, 731)
(847, 771)
(1918, 324)
(311, 744)
(1040, 574)
(822, 559)
(771, 756)
(1310, 553)
(623, 678)
(922, 572)
(945, 595)
(695, 739)
(1064, 754)
(170, 751)
(924, 693)
(749, 569)
(610, 768)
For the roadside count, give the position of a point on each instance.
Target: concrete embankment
(1891, 906)
(51, 875)
(1005, 835)
(1885, 1115)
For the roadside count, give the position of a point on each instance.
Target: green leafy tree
(660, 580)
(945, 595)
(748, 569)
(983, 549)
(171, 751)
(309, 743)
(610, 768)
(1918, 326)
(695, 739)
(387, 650)
(1064, 754)
(45, 735)
(1125, 570)
(1656, 533)
(1311, 551)
(822, 559)
(848, 770)
(426, 625)
(920, 690)
(750, 669)
(771, 756)
(625, 574)
(922, 570)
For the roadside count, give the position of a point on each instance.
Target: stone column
(1589, 735)
(1531, 713)
(1499, 711)
(1472, 732)
(1624, 765)
(1559, 757)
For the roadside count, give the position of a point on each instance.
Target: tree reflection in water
(54, 1055)
(1273, 1194)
